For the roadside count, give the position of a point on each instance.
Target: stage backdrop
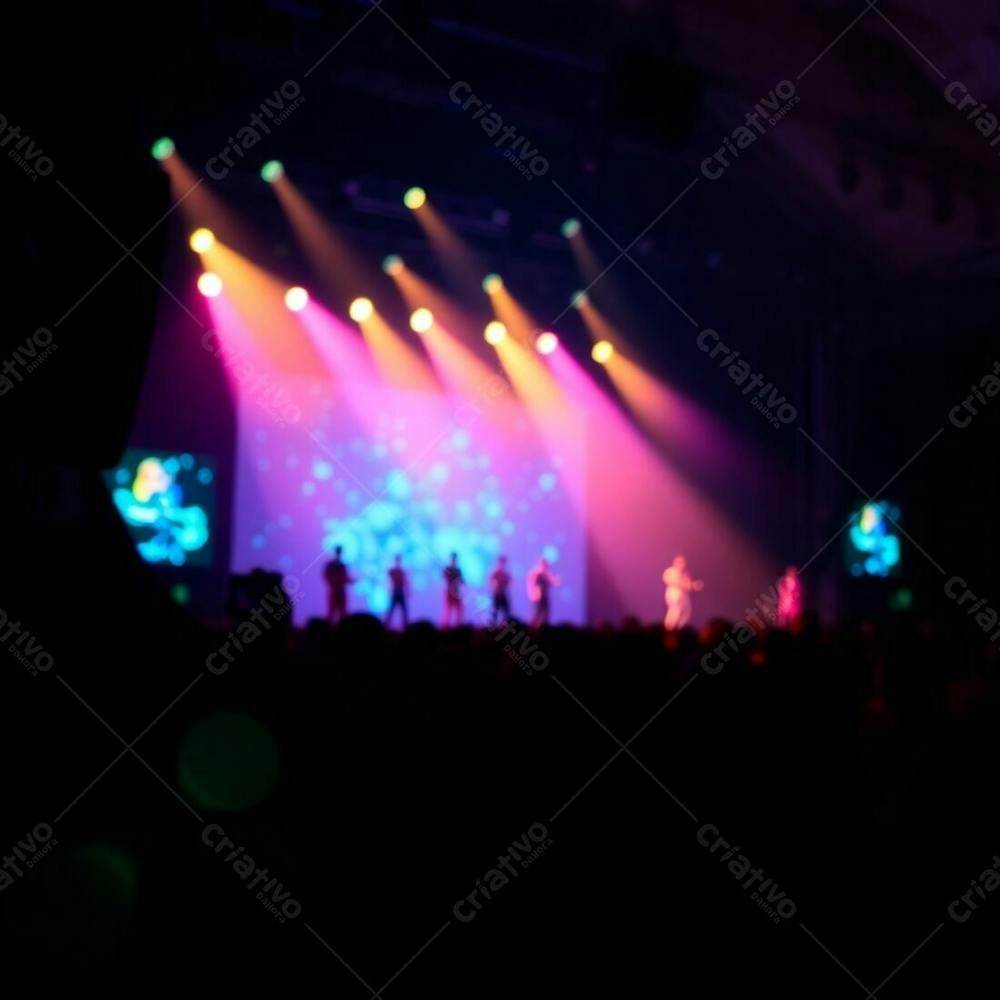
(382, 471)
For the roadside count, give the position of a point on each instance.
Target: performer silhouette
(500, 587)
(540, 581)
(453, 583)
(679, 585)
(399, 590)
(337, 578)
(789, 597)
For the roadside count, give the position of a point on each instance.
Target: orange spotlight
(546, 342)
(296, 298)
(421, 320)
(209, 284)
(202, 240)
(495, 333)
(393, 264)
(361, 309)
(492, 284)
(602, 351)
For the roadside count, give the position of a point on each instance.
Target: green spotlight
(163, 148)
(272, 170)
(414, 198)
(492, 283)
(392, 264)
(578, 300)
(570, 228)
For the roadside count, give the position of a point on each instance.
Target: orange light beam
(398, 363)
(332, 258)
(260, 299)
(201, 207)
(459, 259)
(417, 292)
(519, 323)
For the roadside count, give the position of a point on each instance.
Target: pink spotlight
(546, 342)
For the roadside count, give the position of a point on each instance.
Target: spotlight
(495, 333)
(578, 300)
(421, 320)
(272, 171)
(570, 228)
(414, 198)
(392, 264)
(163, 148)
(602, 351)
(492, 283)
(202, 240)
(546, 343)
(296, 298)
(361, 309)
(209, 284)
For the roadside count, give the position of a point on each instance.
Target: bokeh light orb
(163, 148)
(421, 320)
(570, 228)
(272, 171)
(296, 298)
(495, 332)
(228, 762)
(209, 284)
(492, 283)
(392, 264)
(202, 240)
(578, 299)
(361, 309)
(602, 351)
(82, 904)
(546, 342)
(414, 198)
